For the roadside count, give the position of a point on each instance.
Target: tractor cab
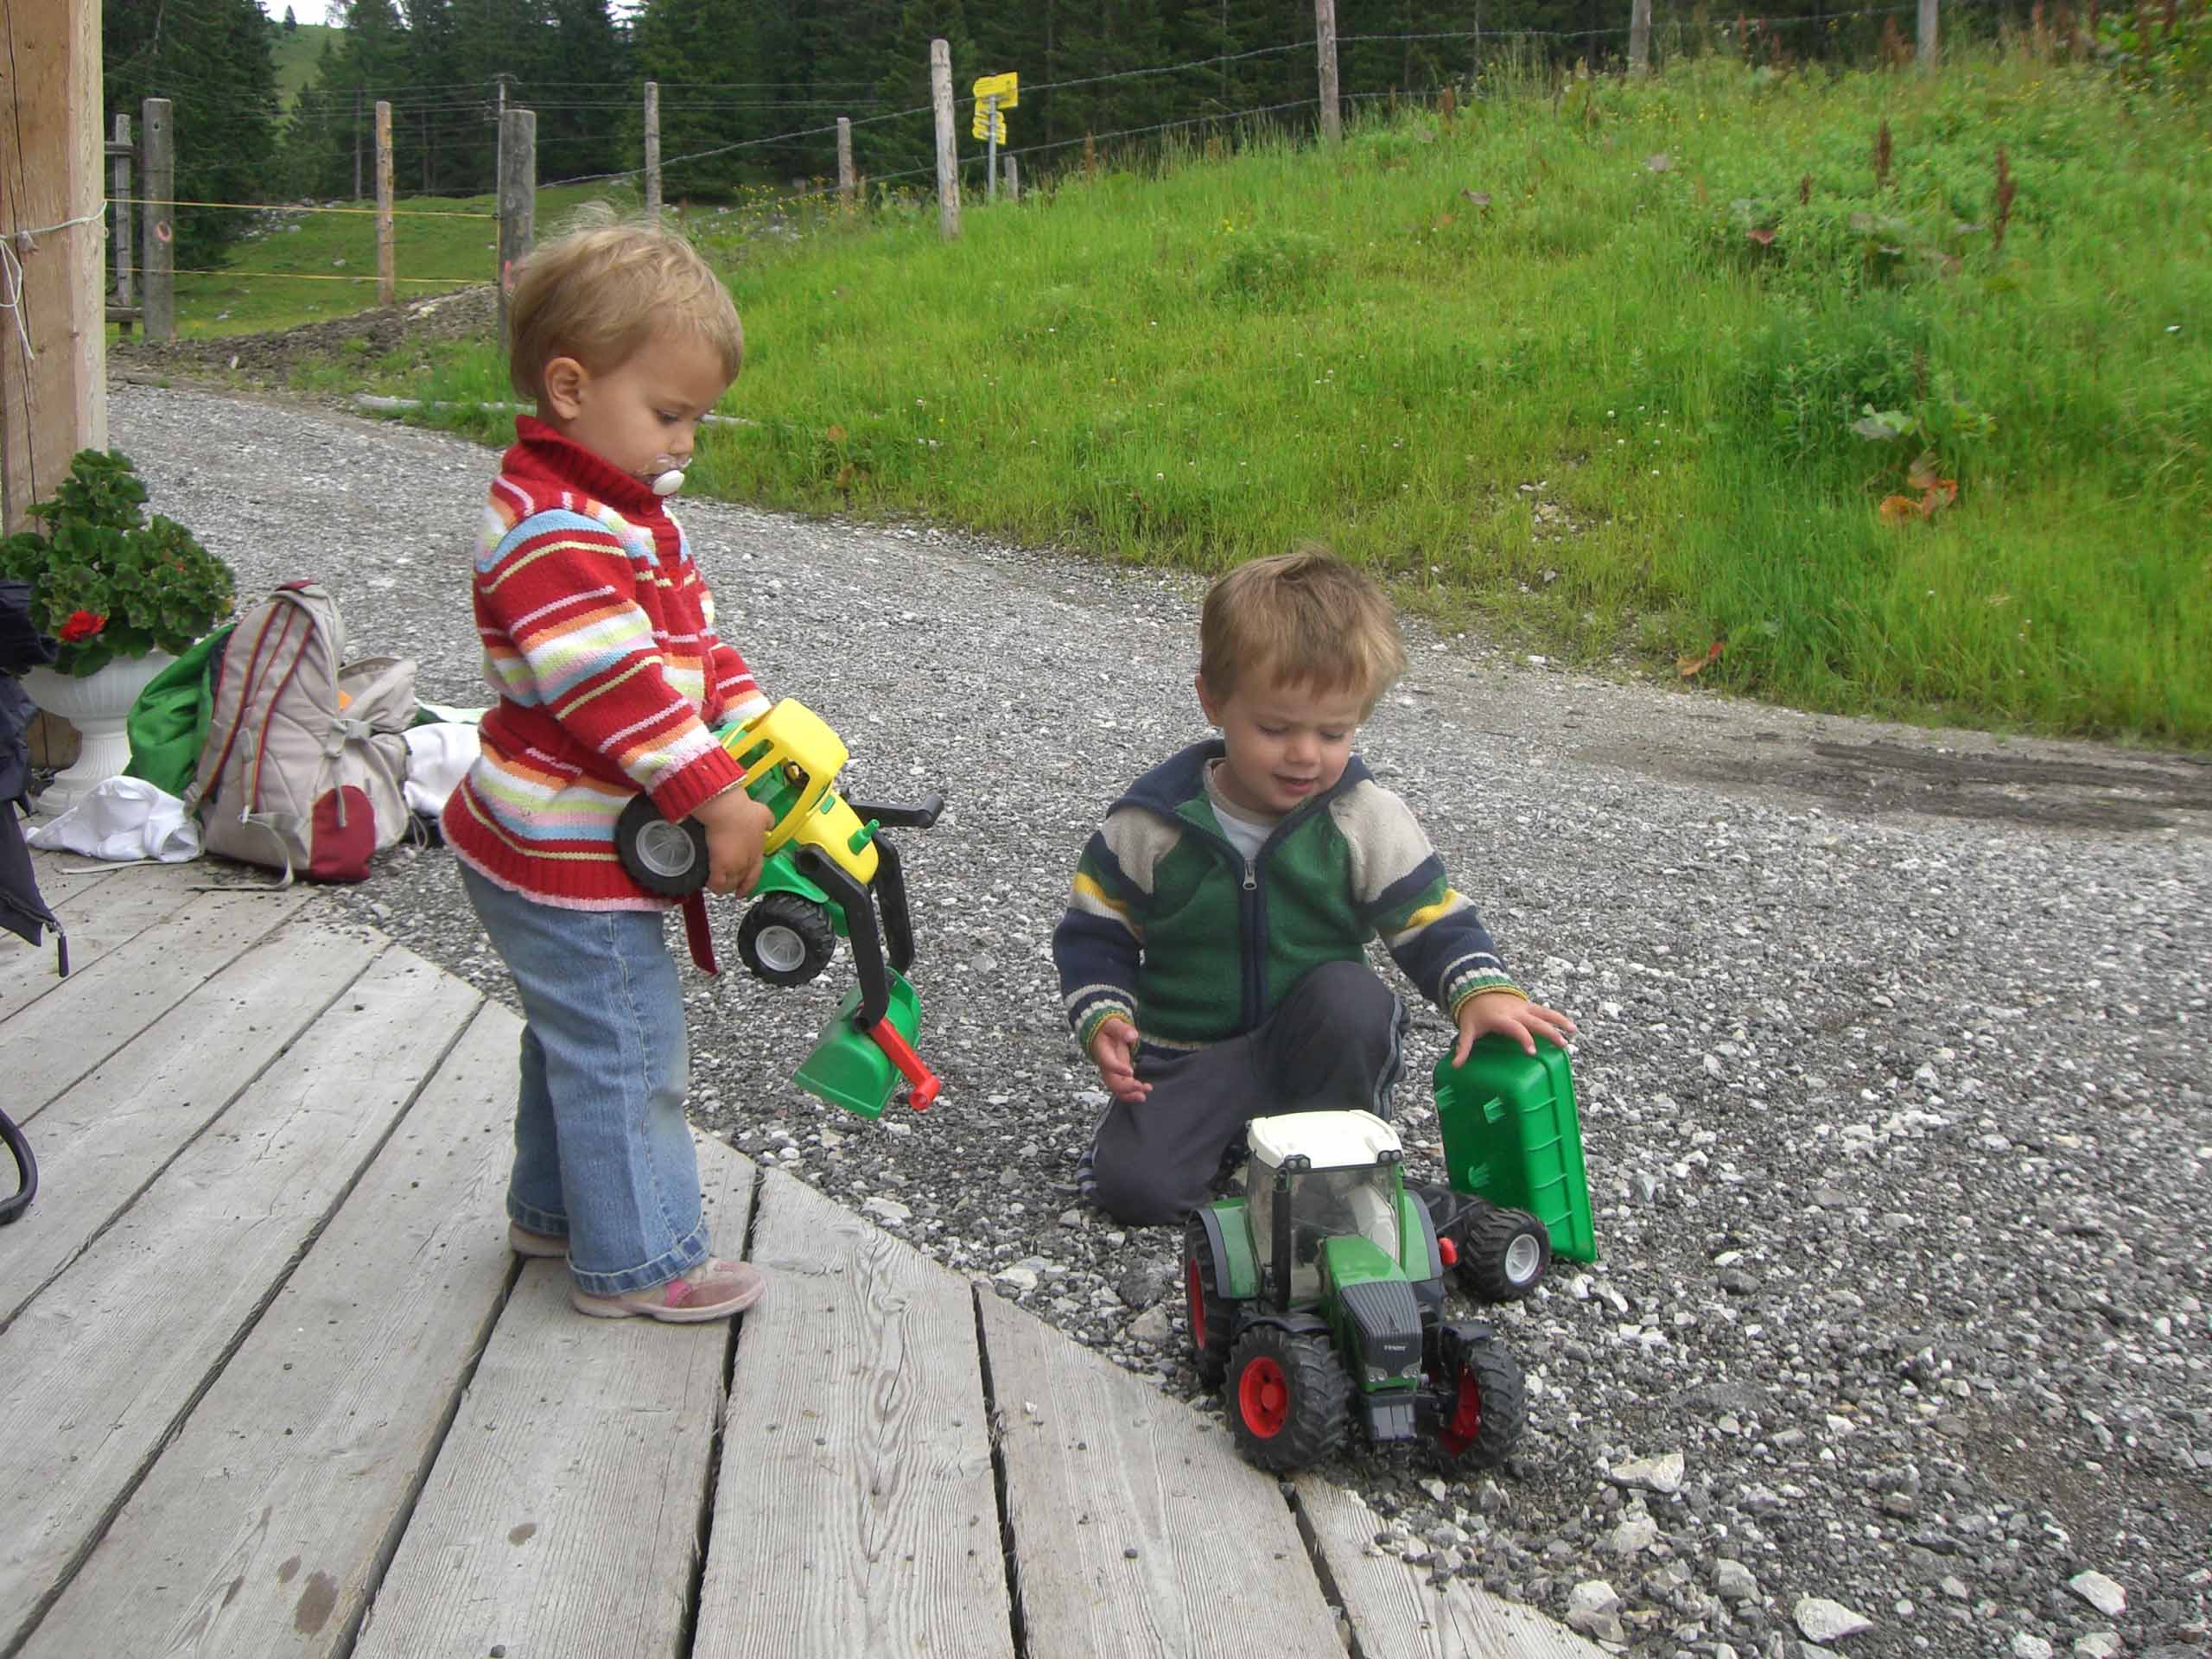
(1317, 1176)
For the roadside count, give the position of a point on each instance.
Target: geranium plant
(107, 582)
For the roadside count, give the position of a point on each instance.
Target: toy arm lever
(919, 817)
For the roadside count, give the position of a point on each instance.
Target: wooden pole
(1929, 52)
(948, 161)
(845, 162)
(357, 143)
(387, 283)
(652, 151)
(157, 261)
(1014, 177)
(518, 198)
(1325, 38)
(119, 193)
(1639, 38)
(53, 351)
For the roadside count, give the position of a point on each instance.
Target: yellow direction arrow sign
(1006, 88)
(995, 130)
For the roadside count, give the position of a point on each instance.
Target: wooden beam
(54, 355)
(157, 195)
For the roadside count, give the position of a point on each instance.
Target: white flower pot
(96, 706)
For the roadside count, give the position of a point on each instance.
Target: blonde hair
(1302, 617)
(604, 287)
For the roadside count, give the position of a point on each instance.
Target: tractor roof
(1333, 1139)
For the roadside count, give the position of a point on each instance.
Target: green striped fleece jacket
(1170, 929)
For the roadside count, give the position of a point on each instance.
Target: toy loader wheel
(669, 858)
(1210, 1312)
(1502, 1254)
(1289, 1398)
(1482, 1403)
(785, 940)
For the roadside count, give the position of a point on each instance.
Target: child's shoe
(523, 1242)
(713, 1290)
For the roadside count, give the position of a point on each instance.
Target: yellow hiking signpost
(995, 95)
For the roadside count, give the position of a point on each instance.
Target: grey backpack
(305, 760)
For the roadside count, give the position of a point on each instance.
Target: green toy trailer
(826, 874)
(1512, 1154)
(1318, 1294)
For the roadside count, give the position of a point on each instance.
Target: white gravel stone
(2098, 1644)
(2107, 1595)
(2026, 1644)
(1823, 1620)
(1733, 1581)
(1662, 1474)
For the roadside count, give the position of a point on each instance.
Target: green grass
(1593, 410)
(296, 52)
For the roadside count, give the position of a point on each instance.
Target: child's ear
(564, 379)
(1207, 700)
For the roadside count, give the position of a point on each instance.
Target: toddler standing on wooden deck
(599, 637)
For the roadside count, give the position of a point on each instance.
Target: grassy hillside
(1692, 367)
(295, 51)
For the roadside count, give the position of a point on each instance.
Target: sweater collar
(539, 449)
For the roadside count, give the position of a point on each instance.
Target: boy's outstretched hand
(1509, 1015)
(1114, 1052)
(737, 828)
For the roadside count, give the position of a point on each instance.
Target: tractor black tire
(1289, 1398)
(785, 940)
(1483, 1403)
(654, 851)
(1212, 1315)
(1502, 1254)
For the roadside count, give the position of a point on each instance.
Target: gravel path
(1893, 1065)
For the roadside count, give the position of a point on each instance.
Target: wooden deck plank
(264, 1526)
(102, 1365)
(97, 1010)
(1393, 1610)
(1137, 1528)
(112, 1132)
(100, 907)
(563, 1515)
(855, 1516)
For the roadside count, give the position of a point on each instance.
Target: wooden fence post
(1325, 38)
(652, 151)
(54, 352)
(1929, 52)
(518, 198)
(1639, 38)
(157, 185)
(119, 193)
(845, 162)
(1014, 177)
(948, 159)
(387, 282)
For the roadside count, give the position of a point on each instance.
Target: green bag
(169, 721)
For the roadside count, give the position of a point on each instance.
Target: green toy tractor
(827, 872)
(1317, 1295)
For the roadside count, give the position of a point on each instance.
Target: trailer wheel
(669, 858)
(1502, 1254)
(1289, 1398)
(1480, 1402)
(1211, 1313)
(785, 940)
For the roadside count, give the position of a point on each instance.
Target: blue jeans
(603, 1153)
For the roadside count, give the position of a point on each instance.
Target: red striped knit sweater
(599, 637)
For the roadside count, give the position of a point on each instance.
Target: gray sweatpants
(1336, 1040)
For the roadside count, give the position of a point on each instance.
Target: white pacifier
(669, 482)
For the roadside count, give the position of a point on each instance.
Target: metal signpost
(994, 95)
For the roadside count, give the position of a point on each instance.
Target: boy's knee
(1343, 998)
(1137, 1195)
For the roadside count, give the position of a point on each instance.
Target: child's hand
(737, 826)
(1509, 1015)
(1114, 1052)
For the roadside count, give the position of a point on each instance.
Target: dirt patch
(465, 313)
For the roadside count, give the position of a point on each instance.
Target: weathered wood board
(263, 1528)
(855, 1516)
(96, 910)
(101, 1366)
(1138, 1529)
(563, 1515)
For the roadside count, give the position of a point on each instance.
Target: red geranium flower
(81, 625)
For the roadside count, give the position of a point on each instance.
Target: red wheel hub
(1264, 1398)
(1461, 1428)
(1196, 1293)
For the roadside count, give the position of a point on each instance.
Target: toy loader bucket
(1511, 1136)
(848, 1067)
